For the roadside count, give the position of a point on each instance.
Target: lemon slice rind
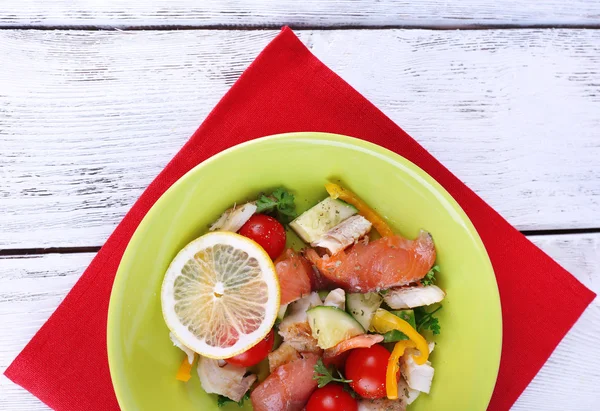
(267, 275)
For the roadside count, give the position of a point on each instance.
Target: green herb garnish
(280, 203)
(396, 335)
(429, 278)
(223, 400)
(350, 391)
(426, 321)
(324, 376)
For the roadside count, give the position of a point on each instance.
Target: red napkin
(287, 89)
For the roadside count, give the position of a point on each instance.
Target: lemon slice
(220, 295)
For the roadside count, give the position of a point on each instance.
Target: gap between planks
(15, 252)
(305, 14)
(32, 287)
(444, 87)
(220, 27)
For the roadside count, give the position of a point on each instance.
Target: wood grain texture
(87, 119)
(467, 13)
(570, 378)
(31, 287)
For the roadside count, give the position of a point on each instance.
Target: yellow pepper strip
(384, 321)
(184, 371)
(335, 191)
(391, 374)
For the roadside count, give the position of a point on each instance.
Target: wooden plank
(570, 378)
(31, 287)
(308, 13)
(87, 119)
(578, 253)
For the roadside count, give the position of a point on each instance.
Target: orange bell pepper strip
(184, 372)
(384, 321)
(336, 191)
(391, 374)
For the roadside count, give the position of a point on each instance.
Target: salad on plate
(343, 322)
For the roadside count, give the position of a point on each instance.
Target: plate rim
(115, 302)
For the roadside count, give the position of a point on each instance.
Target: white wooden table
(96, 97)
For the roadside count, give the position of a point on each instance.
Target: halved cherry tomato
(267, 232)
(255, 354)
(366, 367)
(331, 397)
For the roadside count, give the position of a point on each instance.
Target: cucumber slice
(281, 313)
(363, 306)
(395, 335)
(330, 325)
(316, 221)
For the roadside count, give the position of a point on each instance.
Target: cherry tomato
(366, 368)
(267, 232)
(331, 397)
(255, 354)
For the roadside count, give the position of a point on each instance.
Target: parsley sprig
(324, 376)
(223, 400)
(280, 203)
(426, 321)
(429, 278)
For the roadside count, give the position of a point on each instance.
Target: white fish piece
(190, 354)
(411, 297)
(418, 377)
(411, 395)
(344, 234)
(406, 393)
(336, 298)
(282, 355)
(296, 311)
(294, 328)
(299, 336)
(228, 380)
(234, 218)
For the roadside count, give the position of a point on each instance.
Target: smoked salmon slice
(295, 273)
(360, 341)
(384, 263)
(288, 388)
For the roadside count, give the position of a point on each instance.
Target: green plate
(143, 362)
